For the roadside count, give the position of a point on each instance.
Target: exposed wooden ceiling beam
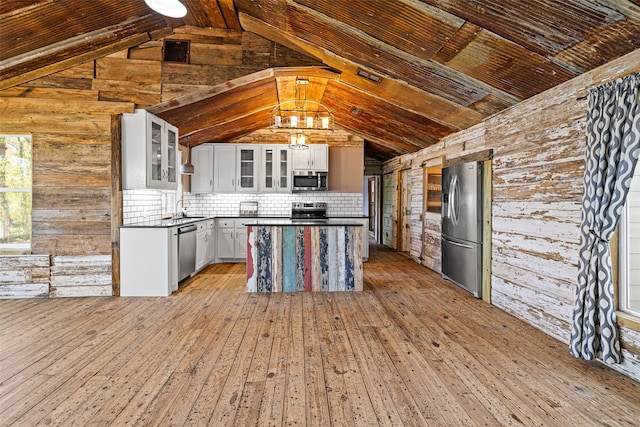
(204, 13)
(398, 93)
(74, 51)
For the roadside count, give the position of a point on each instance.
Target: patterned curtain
(613, 145)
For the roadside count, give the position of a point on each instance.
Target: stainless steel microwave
(309, 181)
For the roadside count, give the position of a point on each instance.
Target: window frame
(626, 317)
(21, 248)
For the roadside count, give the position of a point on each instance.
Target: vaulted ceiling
(402, 74)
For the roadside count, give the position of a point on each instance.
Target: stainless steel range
(309, 211)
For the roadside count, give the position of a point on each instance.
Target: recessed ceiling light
(170, 8)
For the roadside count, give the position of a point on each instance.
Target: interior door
(387, 215)
(404, 211)
(372, 195)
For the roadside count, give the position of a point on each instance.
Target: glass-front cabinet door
(155, 169)
(275, 174)
(172, 175)
(268, 169)
(284, 169)
(247, 168)
(162, 154)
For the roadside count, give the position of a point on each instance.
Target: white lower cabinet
(231, 240)
(210, 253)
(201, 246)
(148, 261)
(204, 244)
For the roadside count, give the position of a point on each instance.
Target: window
(629, 282)
(15, 193)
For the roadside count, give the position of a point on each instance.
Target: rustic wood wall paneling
(416, 176)
(81, 275)
(24, 276)
(71, 188)
(487, 244)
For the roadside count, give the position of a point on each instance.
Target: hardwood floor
(410, 350)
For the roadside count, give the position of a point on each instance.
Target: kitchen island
(303, 256)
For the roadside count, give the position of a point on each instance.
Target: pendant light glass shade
(298, 142)
(170, 8)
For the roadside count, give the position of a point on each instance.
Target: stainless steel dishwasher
(186, 251)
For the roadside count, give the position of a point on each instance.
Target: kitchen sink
(186, 219)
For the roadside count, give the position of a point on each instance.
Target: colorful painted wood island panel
(304, 257)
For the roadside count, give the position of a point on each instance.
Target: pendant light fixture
(170, 8)
(187, 168)
(301, 116)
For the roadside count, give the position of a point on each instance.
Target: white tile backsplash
(145, 205)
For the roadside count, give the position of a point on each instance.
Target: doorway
(404, 211)
(373, 206)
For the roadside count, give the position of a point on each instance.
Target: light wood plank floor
(410, 350)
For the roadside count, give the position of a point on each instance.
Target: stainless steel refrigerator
(462, 226)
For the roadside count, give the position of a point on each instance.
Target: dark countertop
(166, 223)
(259, 220)
(331, 222)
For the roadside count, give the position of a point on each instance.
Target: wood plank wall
(70, 116)
(538, 162)
(71, 188)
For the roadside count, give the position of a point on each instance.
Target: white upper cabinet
(316, 158)
(202, 160)
(275, 170)
(235, 168)
(149, 152)
(224, 168)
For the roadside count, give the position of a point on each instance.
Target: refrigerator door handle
(462, 245)
(453, 199)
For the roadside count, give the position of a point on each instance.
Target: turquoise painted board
(288, 259)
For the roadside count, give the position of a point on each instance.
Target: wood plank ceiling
(402, 74)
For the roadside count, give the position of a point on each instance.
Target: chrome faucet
(182, 213)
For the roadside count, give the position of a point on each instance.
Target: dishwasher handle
(187, 229)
